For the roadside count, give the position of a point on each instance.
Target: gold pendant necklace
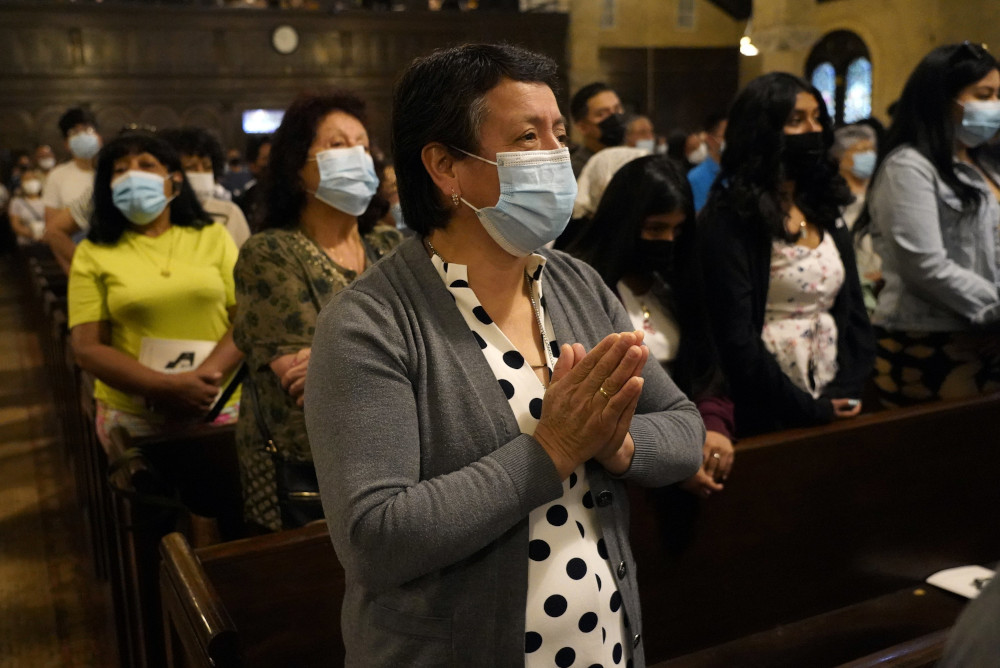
(164, 269)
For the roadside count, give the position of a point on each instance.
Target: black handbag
(298, 489)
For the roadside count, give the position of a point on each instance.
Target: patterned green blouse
(283, 279)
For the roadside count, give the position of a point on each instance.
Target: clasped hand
(590, 402)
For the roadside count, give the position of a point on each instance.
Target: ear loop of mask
(477, 157)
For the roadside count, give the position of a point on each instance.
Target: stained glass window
(858, 93)
(824, 77)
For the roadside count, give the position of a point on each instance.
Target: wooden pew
(816, 520)
(266, 601)
(187, 481)
(810, 557)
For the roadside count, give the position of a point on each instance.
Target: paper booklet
(174, 355)
(965, 581)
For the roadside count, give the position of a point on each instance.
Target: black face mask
(803, 153)
(653, 257)
(612, 130)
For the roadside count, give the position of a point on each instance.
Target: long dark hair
(752, 170)
(923, 114)
(644, 187)
(107, 222)
(284, 194)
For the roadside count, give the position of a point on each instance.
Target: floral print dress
(798, 328)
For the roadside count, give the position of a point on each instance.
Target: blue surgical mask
(84, 145)
(397, 215)
(645, 144)
(864, 164)
(537, 191)
(139, 196)
(347, 179)
(980, 122)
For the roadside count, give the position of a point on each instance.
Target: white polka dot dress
(574, 614)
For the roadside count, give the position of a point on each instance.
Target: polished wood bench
(815, 520)
(271, 600)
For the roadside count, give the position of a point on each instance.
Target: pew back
(270, 600)
(813, 520)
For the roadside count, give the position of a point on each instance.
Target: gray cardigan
(426, 479)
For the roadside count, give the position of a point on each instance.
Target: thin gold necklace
(165, 269)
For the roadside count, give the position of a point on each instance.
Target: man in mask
(69, 181)
(599, 117)
(705, 158)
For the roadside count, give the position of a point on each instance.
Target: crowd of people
(466, 402)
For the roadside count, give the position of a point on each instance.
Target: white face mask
(646, 144)
(32, 187)
(46, 164)
(698, 156)
(203, 184)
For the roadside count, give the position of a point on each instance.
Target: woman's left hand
(717, 462)
(294, 379)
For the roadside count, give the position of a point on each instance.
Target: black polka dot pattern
(588, 622)
(555, 605)
(513, 359)
(602, 549)
(507, 387)
(565, 657)
(576, 568)
(539, 550)
(616, 653)
(566, 605)
(557, 515)
(482, 316)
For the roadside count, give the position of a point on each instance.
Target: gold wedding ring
(604, 392)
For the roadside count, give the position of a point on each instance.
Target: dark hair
(74, 117)
(713, 120)
(923, 115)
(578, 105)
(752, 169)
(198, 142)
(107, 222)
(644, 187)
(256, 142)
(283, 193)
(440, 98)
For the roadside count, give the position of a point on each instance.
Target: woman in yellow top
(151, 295)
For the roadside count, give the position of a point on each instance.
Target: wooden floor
(53, 612)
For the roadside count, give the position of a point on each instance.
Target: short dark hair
(198, 142)
(107, 222)
(254, 144)
(440, 98)
(713, 120)
(578, 105)
(752, 169)
(283, 193)
(74, 117)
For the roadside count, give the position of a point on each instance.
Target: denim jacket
(939, 262)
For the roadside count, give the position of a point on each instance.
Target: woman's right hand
(578, 419)
(190, 391)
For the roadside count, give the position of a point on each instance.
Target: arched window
(841, 68)
(825, 79)
(858, 92)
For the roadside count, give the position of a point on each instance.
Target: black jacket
(736, 261)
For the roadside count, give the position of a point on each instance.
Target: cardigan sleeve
(726, 247)
(390, 522)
